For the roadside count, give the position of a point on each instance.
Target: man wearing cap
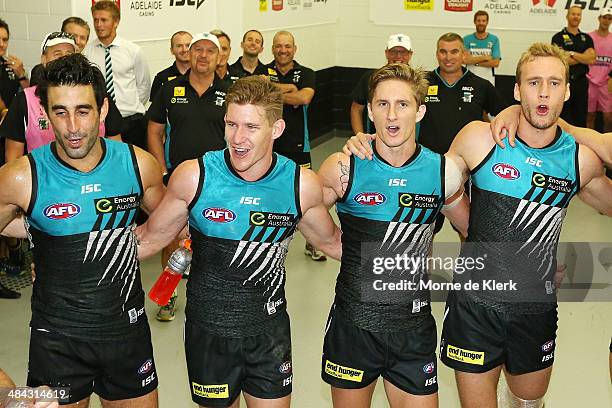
(249, 63)
(399, 50)
(27, 125)
(600, 99)
(79, 30)
(192, 105)
(122, 62)
(580, 54)
(179, 48)
(483, 49)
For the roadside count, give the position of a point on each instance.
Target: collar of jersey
(64, 164)
(412, 158)
(551, 144)
(228, 163)
(437, 72)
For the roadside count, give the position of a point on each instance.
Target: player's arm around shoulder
(170, 215)
(316, 223)
(456, 205)
(595, 187)
(600, 143)
(15, 195)
(471, 145)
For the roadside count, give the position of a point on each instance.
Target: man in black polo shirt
(249, 63)
(296, 83)
(581, 53)
(192, 106)
(179, 47)
(398, 50)
(455, 98)
(224, 70)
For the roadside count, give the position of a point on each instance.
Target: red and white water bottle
(178, 263)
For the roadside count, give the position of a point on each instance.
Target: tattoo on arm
(344, 176)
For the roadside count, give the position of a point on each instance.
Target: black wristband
(22, 78)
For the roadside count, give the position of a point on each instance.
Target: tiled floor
(580, 377)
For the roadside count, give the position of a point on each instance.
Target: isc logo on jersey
(216, 214)
(506, 171)
(61, 211)
(370, 198)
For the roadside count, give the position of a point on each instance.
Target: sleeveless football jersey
(519, 199)
(240, 233)
(388, 212)
(81, 229)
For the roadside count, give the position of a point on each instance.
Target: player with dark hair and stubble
(80, 196)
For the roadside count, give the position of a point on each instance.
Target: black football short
(477, 338)
(220, 367)
(353, 357)
(114, 370)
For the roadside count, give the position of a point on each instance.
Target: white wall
(354, 41)
(360, 43)
(29, 21)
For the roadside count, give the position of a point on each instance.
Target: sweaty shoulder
(16, 182)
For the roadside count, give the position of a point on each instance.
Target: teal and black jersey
(519, 200)
(388, 213)
(240, 234)
(81, 229)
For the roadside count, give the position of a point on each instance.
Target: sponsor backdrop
(284, 14)
(153, 19)
(539, 15)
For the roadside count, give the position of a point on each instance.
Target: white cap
(399, 40)
(605, 11)
(56, 37)
(205, 36)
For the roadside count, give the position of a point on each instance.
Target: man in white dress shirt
(126, 72)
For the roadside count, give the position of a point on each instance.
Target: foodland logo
(216, 214)
(61, 211)
(370, 198)
(506, 171)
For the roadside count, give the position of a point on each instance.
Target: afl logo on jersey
(146, 367)
(546, 347)
(506, 171)
(370, 198)
(429, 368)
(216, 214)
(61, 211)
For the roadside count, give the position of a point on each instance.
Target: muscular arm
(456, 206)
(356, 117)
(13, 149)
(155, 135)
(601, 144)
(16, 182)
(334, 174)
(301, 97)
(316, 223)
(596, 188)
(285, 88)
(151, 180)
(170, 216)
